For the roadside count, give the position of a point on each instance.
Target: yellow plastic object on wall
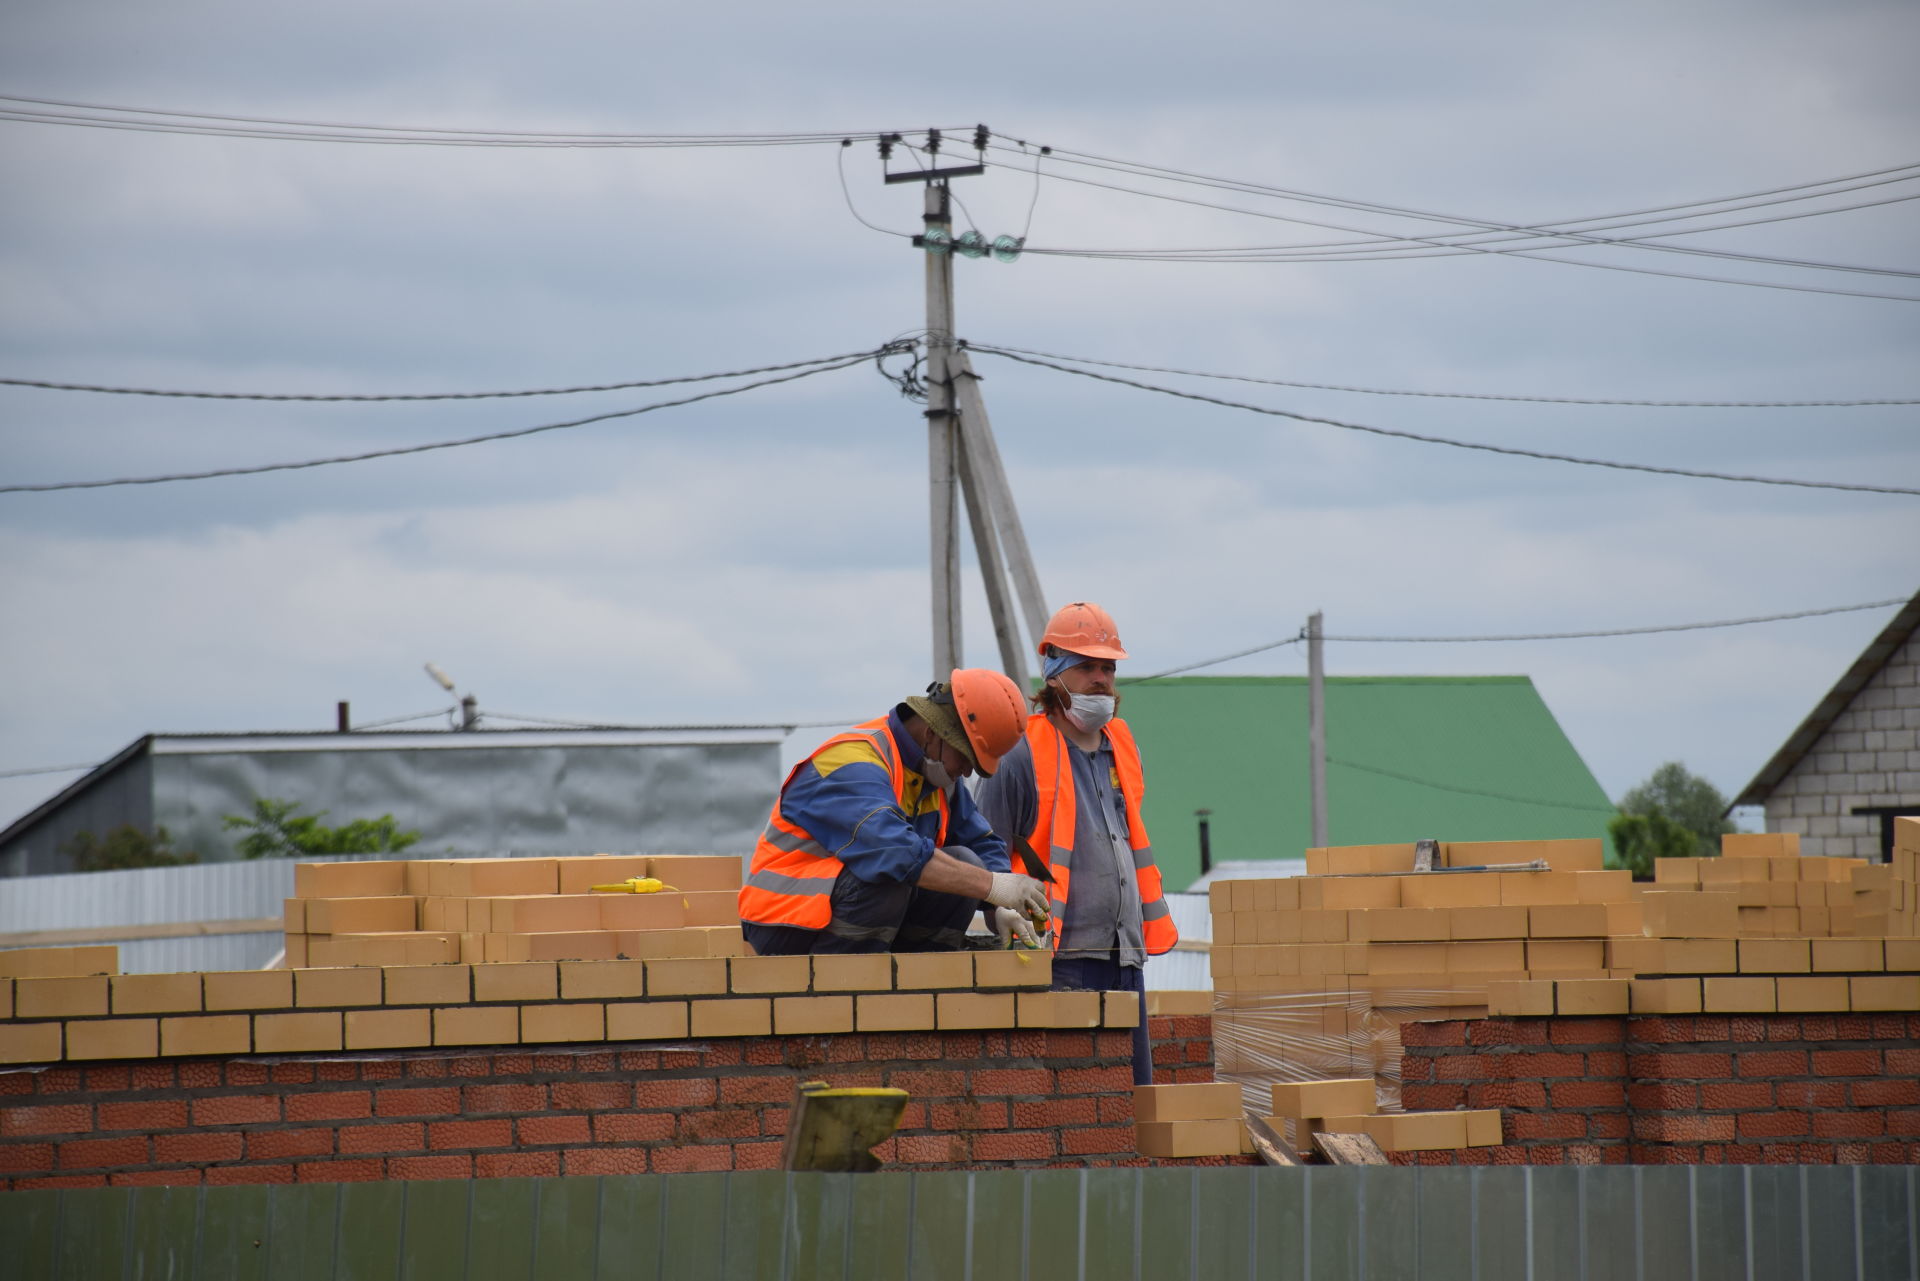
(634, 885)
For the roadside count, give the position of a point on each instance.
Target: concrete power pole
(1317, 729)
(963, 460)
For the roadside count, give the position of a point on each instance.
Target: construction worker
(873, 845)
(1072, 788)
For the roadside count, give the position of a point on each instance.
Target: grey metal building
(468, 793)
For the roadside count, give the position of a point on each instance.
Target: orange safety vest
(1056, 810)
(790, 881)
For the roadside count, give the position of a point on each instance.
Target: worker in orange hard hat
(873, 845)
(1072, 789)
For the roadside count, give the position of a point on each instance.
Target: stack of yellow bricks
(1207, 1119)
(1314, 975)
(470, 911)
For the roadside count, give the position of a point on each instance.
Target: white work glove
(1007, 924)
(1022, 894)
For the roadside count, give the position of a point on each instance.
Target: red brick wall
(980, 1100)
(1182, 1048)
(1676, 1089)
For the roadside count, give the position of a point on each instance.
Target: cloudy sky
(762, 557)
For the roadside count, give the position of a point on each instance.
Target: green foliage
(124, 847)
(1674, 814)
(1641, 838)
(277, 829)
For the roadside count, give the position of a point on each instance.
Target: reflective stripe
(1155, 910)
(775, 883)
(792, 844)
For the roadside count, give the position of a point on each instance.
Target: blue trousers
(1106, 974)
(871, 916)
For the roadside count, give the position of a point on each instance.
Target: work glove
(1022, 894)
(1009, 924)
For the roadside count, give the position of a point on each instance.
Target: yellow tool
(634, 885)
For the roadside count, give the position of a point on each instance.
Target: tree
(277, 829)
(1674, 814)
(124, 847)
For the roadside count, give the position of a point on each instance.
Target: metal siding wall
(124, 796)
(1808, 1223)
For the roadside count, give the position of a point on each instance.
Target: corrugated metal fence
(1616, 1223)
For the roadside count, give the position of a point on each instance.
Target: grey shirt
(1103, 902)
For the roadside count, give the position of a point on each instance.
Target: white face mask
(936, 775)
(1090, 712)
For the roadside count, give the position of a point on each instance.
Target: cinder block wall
(1698, 1089)
(1870, 756)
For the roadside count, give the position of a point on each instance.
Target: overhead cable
(1451, 395)
(166, 120)
(47, 769)
(443, 444)
(1456, 444)
(440, 395)
(1470, 791)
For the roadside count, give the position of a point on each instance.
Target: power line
(1209, 662)
(443, 444)
(165, 120)
(47, 769)
(1457, 444)
(1470, 791)
(1451, 395)
(442, 395)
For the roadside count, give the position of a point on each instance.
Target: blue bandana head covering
(1059, 660)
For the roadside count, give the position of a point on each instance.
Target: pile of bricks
(467, 911)
(1760, 887)
(1302, 1108)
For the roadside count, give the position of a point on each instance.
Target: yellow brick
(1663, 996)
(580, 875)
(641, 911)
(349, 880)
(714, 907)
(917, 971)
(762, 974)
(1567, 920)
(296, 958)
(1700, 956)
(1176, 1003)
(1884, 992)
(1458, 889)
(744, 1017)
(156, 993)
(1802, 994)
(852, 972)
(1603, 886)
(1760, 845)
(1359, 893)
(973, 1009)
(502, 877)
(1401, 925)
(1903, 955)
(526, 981)
(1403, 958)
(36, 998)
(1536, 889)
(894, 1012)
(30, 1042)
(1680, 914)
(697, 872)
(476, 1025)
(293, 915)
(1520, 997)
(646, 1020)
(1856, 955)
(1419, 1131)
(1199, 1101)
(428, 984)
(1487, 923)
(1301, 1099)
(1676, 871)
(207, 1034)
(113, 1039)
(388, 1029)
(248, 990)
(1189, 1138)
(384, 915)
(659, 944)
(1487, 956)
(336, 987)
(688, 976)
(550, 1024)
(1120, 1009)
(1723, 995)
(1019, 967)
(812, 1015)
(1774, 956)
(1625, 919)
(59, 962)
(1590, 996)
(297, 1033)
(1483, 1128)
(6, 999)
(602, 980)
(1566, 954)
(1641, 955)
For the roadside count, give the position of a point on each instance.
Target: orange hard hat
(991, 711)
(1083, 628)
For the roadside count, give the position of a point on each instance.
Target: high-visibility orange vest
(790, 881)
(1057, 809)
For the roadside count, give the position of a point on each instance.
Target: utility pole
(963, 461)
(1317, 729)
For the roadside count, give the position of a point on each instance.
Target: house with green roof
(1458, 758)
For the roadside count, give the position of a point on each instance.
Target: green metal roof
(1459, 758)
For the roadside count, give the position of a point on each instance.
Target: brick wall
(1706, 1089)
(1182, 1046)
(980, 1100)
(1869, 756)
